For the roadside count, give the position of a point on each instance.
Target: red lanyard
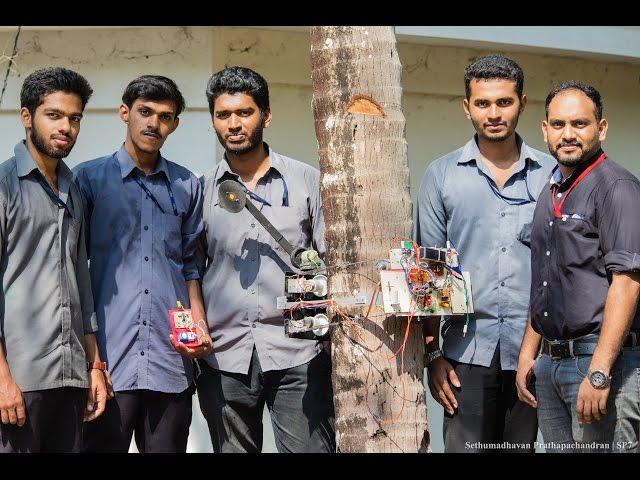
(557, 207)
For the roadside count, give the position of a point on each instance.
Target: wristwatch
(599, 379)
(431, 356)
(97, 366)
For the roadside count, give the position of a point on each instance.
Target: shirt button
(501, 319)
(544, 284)
(144, 322)
(253, 325)
(253, 225)
(146, 259)
(545, 314)
(502, 284)
(502, 214)
(550, 223)
(146, 227)
(559, 195)
(548, 253)
(146, 290)
(503, 249)
(142, 354)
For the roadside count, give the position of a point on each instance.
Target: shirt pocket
(576, 240)
(292, 222)
(525, 219)
(73, 237)
(172, 236)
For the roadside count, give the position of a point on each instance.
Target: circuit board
(418, 281)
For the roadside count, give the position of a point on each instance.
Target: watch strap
(96, 366)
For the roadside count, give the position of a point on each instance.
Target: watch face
(598, 379)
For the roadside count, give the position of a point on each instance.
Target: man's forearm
(196, 303)
(619, 311)
(4, 366)
(91, 347)
(530, 342)
(431, 333)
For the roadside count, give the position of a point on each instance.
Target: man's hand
(96, 396)
(12, 408)
(523, 378)
(441, 373)
(202, 350)
(591, 403)
(109, 385)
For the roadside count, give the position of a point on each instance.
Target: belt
(558, 349)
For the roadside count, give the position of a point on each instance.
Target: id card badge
(183, 327)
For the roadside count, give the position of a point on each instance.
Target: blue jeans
(557, 385)
(628, 403)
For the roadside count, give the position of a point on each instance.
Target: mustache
(569, 144)
(150, 132)
(61, 136)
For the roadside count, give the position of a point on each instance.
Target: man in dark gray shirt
(253, 362)
(48, 351)
(585, 287)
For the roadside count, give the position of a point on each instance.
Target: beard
(253, 141)
(41, 145)
(574, 159)
(498, 137)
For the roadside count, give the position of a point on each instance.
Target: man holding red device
(585, 254)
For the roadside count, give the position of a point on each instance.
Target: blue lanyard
(258, 198)
(511, 200)
(57, 200)
(152, 196)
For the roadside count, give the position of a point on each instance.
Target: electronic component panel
(422, 281)
(306, 315)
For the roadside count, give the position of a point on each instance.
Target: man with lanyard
(49, 357)
(480, 198)
(585, 287)
(253, 362)
(144, 215)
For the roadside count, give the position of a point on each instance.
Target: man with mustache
(49, 358)
(253, 362)
(144, 216)
(585, 287)
(480, 198)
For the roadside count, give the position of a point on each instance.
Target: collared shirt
(459, 201)
(574, 256)
(141, 259)
(46, 307)
(245, 266)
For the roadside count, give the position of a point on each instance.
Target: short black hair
(492, 67)
(45, 81)
(238, 80)
(154, 87)
(588, 90)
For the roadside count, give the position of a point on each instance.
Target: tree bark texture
(379, 398)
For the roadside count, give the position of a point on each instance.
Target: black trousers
(53, 423)
(489, 413)
(160, 421)
(300, 400)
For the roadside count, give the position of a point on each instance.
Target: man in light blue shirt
(144, 215)
(481, 198)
